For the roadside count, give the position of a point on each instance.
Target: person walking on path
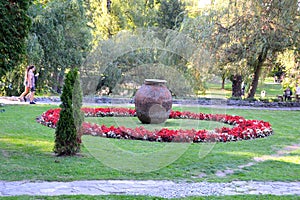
(29, 83)
(26, 84)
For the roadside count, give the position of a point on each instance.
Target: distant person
(243, 89)
(287, 94)
(31, 83)
(281, 78)
(297, 92)
(26, 84)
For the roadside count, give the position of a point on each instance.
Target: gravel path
(166, 189)
(14, 101)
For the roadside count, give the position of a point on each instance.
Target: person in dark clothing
(287, 94)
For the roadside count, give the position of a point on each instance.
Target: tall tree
(15, 24)
(170, 14)
(135, 13)
(290, 65)
(262, 28)
(62, 32)
(102, 22)
(249, 31)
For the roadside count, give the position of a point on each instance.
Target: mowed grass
(272, 90)
(26, 151)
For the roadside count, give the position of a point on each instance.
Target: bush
(251, 99)
(77, 104)
(67, 133)
(235, 98)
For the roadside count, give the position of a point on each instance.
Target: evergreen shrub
(67, 133)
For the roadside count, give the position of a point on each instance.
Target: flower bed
(242, 129)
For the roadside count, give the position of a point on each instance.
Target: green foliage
(130, 15)
(240, 37)
(14, 29)
(170, 14)
(251, 99)
(135, 14)
(15, 24)
(12, 82)
(130, 52)
(59, 38)
(243, 35)
(110, 77)
(67, 140)
(102, 23)
(288, 60)
(77, 104)
(122, 15)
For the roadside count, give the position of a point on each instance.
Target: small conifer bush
(77, 104)
(67, 133)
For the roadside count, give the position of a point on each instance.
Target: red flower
(242, 129)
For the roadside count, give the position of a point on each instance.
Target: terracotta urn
(153, 102)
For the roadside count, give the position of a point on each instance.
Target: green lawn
(271, 89)
(26, 151)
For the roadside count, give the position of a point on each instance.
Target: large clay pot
(153, 102)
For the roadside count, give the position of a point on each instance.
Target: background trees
(241, 40)
(170, 14)
(60, 30)
(15, 24)
(276, 30)
(244, 35)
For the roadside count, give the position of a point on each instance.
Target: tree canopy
(243, 35)
(15, 24)
(61, 32)
(231, 39)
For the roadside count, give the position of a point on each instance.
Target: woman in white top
(27, 88)
(31, 82)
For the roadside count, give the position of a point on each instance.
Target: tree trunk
(257, 70)
(237, 85)
(57, 81)
(223, 82)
